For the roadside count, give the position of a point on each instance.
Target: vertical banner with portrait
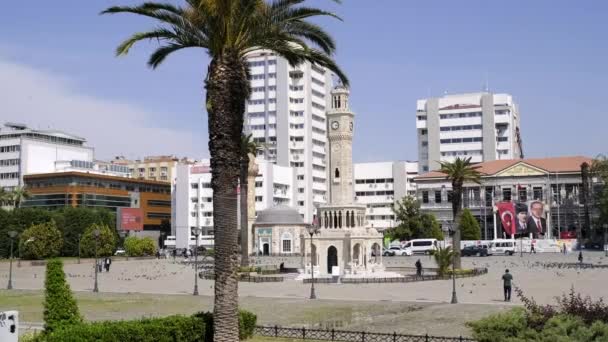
(506, 211)
(537, 223)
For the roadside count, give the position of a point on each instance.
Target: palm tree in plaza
(18, 195)
(228, 30)
(249, 149)
(459, 171)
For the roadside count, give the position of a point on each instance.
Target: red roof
(551, 165)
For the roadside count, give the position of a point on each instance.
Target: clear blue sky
(552, 56)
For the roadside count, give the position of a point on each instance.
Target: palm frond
(159, 34)
(158, 56)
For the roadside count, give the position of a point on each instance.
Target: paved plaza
(401, 307)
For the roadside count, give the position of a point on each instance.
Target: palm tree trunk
(227, 90)
(244, 213)
(456, 210)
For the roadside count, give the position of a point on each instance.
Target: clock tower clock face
(335, 125)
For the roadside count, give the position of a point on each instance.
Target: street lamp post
(96, 234)
(197, 231)
(312, 230)
(12, 234)
(451, 233)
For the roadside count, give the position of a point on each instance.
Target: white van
(424, 246)
(503, 246)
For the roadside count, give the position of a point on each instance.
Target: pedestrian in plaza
(532, 249)
(506, 282)
(107, 263)
(418, 269)
(100, 266)
(580, 257)
(565, 249)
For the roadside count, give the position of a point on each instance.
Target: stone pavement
(166, 277)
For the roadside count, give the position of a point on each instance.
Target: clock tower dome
(340, 121)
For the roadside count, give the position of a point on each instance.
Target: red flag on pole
(506, 210)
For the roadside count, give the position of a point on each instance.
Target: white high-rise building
(286, 114)
(379, 185)
(483, 126)
(25, 151)
(192, 196)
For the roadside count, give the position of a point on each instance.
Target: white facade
(27, 151)
(96, 167)
(379, 185)
(286, 113)
(192, 196)
(483, 126)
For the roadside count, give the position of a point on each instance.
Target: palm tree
(18, 195)
(249, 149)
(228, 30)
(443, 259)
(459, 171)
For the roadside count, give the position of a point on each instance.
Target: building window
(437, 196)
(337, 173)
(301, 190)
(523, 195)
(286, 242)
(301, 203)
(450, 195)
(538, 193)
(258, 198)
(425, 197)
(300, 177)
(506, 194)
(194, 185)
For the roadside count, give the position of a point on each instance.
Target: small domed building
(279, 230)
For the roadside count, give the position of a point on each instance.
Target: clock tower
(340, 121)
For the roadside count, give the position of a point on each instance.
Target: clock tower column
(340, 121)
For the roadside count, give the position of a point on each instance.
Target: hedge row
(168, 329)
(60, 308)
(198, 327)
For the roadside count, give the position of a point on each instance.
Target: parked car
(424, 246)
(475, 250)
(387, 252)
(401, 251)
(503, 246)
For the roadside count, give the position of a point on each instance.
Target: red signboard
(506, 210)
(130, 219)
(200, 169)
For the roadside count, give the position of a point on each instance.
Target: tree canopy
(412, 223)
(469, 226)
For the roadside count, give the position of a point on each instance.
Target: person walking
(532, 249)
(580, 257)
(107, 264)
(100, 266)
(506, 282)
(418, 269)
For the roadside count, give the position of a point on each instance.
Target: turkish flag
(506, 210)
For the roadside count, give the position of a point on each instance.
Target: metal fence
(349, 336)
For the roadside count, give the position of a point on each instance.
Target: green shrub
(247, 323)
(41, 241)
(106, 243)
(168, 329)
(137, 247)
(60, 308)
(469, 227)
(443, 259)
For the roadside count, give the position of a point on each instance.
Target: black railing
(405, 279)
(349, 336)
